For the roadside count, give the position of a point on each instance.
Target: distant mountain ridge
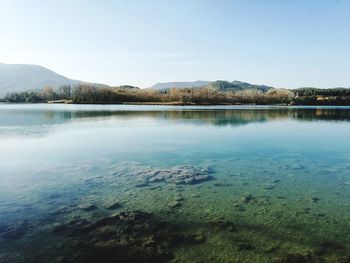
(237, 85)
(221, 85)
(180, 84)
(23, 77)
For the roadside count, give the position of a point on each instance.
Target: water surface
(200, 184)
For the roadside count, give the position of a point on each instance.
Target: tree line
(86, 94)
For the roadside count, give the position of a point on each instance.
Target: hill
(22, 77)
(218, 85)
(183, 84)
(237, 85)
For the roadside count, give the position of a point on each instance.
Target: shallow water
(216, 184)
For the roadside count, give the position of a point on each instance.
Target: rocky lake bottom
(234, 201)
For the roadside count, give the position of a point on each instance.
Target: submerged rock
(333, 245)
(271, 249)
(268, 186)
(14, 231)
(76, 225)
(87, 207)
(196, 238)
(223, 184)
(179, 198)
(142, 185)
(247, 199)
(294, 258)
(174, 204)
(314, 199)
(127, 237)
(222, 224)
(185, 174)
(112, 205)
(58, 228)
(179, 175)
(239, 207)
(295, 166)
(245, 246)
(305, 210)
(339, 259)
(63, 210)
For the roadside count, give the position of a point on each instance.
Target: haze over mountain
(23, 77)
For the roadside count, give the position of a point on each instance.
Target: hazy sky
(284, 43)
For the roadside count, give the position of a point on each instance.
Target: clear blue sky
(284, 43)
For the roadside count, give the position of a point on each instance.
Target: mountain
(237, 85)
(169, 85)
(23, 77)
(127, 87)
(219, 85)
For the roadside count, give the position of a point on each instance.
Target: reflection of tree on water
(220, 117)
(321, 114)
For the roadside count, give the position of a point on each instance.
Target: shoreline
(173, 103)
(178, 104)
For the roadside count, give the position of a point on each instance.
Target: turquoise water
(200, 184)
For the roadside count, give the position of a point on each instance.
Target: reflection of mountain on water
(218, 117)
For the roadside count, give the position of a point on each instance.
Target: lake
(122, 183)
